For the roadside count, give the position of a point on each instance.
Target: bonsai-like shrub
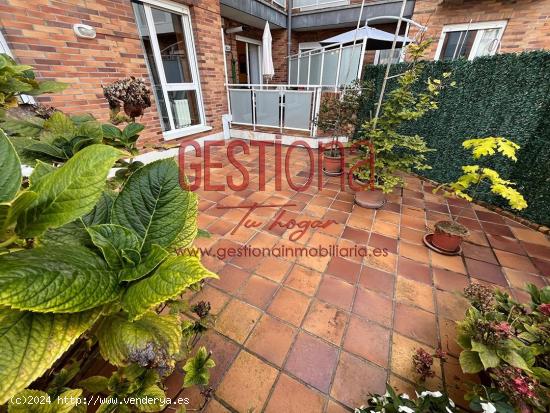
(130, 94)
(395, 152)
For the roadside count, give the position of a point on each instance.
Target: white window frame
(166, 87)
(479, 26)
(247, 41)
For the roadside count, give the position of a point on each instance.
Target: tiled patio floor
(319, 334)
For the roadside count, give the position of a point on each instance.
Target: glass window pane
(315, 69)
(304, 69)
(267, 108)
(330, 67)
(141, 21)
(384, 56)
(173, 46)
(241, 106)
(185, 108)
(298, 109)
(294, 71)
(254, 64)
(488, 43)
(457, 44)
(349, 66)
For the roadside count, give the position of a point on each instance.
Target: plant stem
(479, 180)
(9, 241)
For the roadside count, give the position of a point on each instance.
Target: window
(382, 57)
(470, 40)
(167, 39)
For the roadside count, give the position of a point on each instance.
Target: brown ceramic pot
(449, 235)
(332, 165)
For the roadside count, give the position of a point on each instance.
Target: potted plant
(448, 235)
(508, 345)
(383, 152)
(131, 94)
(338, 116)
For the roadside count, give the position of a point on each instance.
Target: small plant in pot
(383, 151)
(338, 117)
(448, 235)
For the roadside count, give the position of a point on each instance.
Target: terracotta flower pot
(332, 165)
(367, 198)
(449, 235)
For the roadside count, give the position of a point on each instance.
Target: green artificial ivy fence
(506, 95)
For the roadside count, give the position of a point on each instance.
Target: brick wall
(528, 20)
(42, 36)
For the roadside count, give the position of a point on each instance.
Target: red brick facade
(528, 25)
(43, 37)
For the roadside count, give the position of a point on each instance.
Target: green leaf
(10, 211)
(197, 369)
(102, 210)
(10, 169)
(95, 384)
(153, 394)
(41, 169)
(68, 192)
(111, 131)
(464, 341)
(190, 228)
(542, 374)
(31, 342)
(28, 127)
(488, 356)
(132, 131)
(115, 242)
(120, 338)
(49, 86)
(35, 401)
(73, 233)
(171, 278)
(153, 204)
(91, 129)
(470, 362)
(51, 279)
(155, 257)
(514, 359)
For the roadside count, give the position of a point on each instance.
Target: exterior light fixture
(84, 31)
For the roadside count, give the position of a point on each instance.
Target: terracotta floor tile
(355, 380)
(386, 261)
(543, 266)
(271, 339)
(413, 222)
(529, 235)
(449, 280)
(373, 306)
(223, 351)
(447, 331)
(478, 238)
(519, 279)
(383, 242)
(414, 293)
(515, 261)
(414, 270)
(411, 235)
(346, 270)
(221, 227)
(336, 292)
(360, 222)
(237, 320)
(486, 271)
(334, 407)
(290, 396)
(415, 323)
(401, 386)
(385, 228)
(414, 252)
(403, 349)
(275, 269)
(326, 321)
(247, 384)
(216, 298)
(289, 305)
(303, 279)
(388, 216)
(451, 305)
(536, 250)
(342, 206)
(489, 217)
(479, 253)
(231, 278)
(497, 229)
(258, 291)
(457, 382)
(449, 263)
(377, 280)
(356, 235)
(215, 407)
(313, 361)
(368, 340)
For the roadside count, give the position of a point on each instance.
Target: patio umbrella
(378, 39)
(267, 58)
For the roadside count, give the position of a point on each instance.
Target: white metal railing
(280, 3)
(278, 106)
(318, 4)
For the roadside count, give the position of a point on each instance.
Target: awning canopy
(377, 39)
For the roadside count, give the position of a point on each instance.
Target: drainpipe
(289, 31)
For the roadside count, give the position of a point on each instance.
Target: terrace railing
(277, 106)
(318, 4)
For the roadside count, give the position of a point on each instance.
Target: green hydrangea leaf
(155, 257)
(197, 369)
(41, 169)
(35, 401)
(120, 338)
(171, 278)
(101, 213)
(10, 169)
(51, 279)
(470, 362)
(154, 394)
(69, 192)
(153, 204)
(488, 356)
(31, 342)
(118, 244)
(95, 384)
(514, 359)
(10, 211)
(73, 233)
